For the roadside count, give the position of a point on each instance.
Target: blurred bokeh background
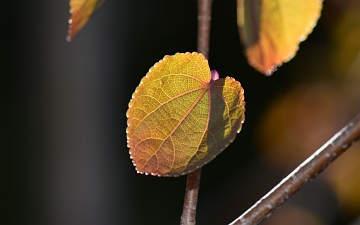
(63, 154)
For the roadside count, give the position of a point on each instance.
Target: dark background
(63, 149)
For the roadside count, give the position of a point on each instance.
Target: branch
(204, 19)
(191, 195)
(302, 175)
(193, 180)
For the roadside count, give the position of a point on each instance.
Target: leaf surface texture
(179, 118)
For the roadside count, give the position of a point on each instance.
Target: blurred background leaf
(80, 13)
(271, 31)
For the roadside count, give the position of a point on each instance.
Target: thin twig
(302, 175)
(204, 25)
(188, 216)
(191, 194)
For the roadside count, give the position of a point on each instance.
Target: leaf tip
(80, 12)
(69, 34)
(270, 71)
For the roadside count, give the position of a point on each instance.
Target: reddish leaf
(179, 118)
(80, 11)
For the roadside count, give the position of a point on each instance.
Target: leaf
(179, 118)
(80, 11)
(271, 30)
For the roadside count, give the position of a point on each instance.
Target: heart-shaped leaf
(179, 118)
(272, 30)
(80, 11)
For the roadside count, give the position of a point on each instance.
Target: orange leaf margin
(80, 13)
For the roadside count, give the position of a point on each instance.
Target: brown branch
(191, 194)
(204, 19)
(302, 175)
(188, 216)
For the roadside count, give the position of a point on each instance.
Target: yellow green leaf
(181, 116)
(272, 30)
(80, 12)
